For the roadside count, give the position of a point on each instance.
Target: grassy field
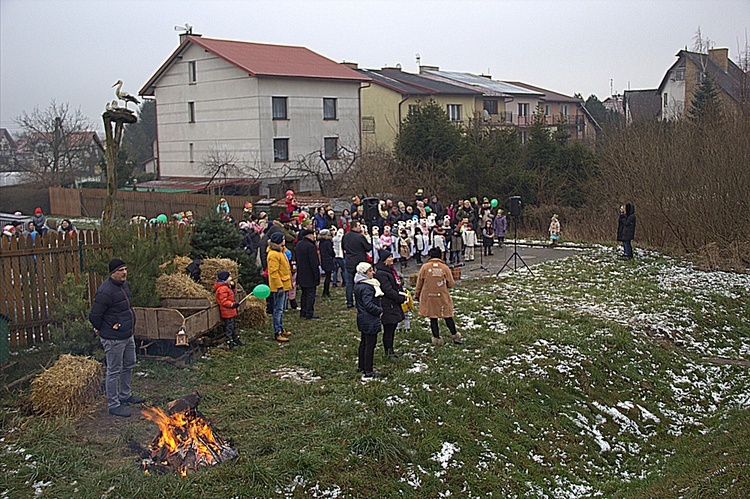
(595, 377)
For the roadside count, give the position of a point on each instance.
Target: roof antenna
(419, 60)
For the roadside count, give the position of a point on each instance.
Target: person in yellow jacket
(280, 281)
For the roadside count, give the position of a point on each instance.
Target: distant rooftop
(489, 85)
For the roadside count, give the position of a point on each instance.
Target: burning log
(186, 441)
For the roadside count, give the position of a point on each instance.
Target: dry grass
(254, 314)
(212, 266)
(68, 387)
(177, 265)
(180, 286)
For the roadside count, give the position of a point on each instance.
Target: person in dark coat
(308, 272)
(393, 297)
(368, 293)
(356, 248)
(626, 228)
(327, 259)
(113, 318)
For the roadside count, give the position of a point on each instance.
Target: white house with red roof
(265, 106)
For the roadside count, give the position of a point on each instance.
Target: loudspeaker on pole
(515, 206)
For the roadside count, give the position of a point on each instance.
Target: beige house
(390, 95)
(677, 89)
(263, 108)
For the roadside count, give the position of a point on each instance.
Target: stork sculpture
(124, 96)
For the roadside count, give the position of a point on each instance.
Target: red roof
(260, 59)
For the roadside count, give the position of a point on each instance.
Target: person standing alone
(626, 229)
(113, 318)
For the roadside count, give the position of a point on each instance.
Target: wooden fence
(31, 271)
(90, 202)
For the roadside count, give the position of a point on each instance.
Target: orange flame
(186, 441)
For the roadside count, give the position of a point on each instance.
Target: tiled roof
(260, 59)
(429, 85)
(392, 84)
(642, 104)
(729, 81)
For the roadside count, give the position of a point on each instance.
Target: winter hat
(383, 255)
(223, 275)
(435, 253)
(38, 211)
(277, 237)
(304, 232)
(284, 218)
(363, 267)
(115, 264)
(325, 232)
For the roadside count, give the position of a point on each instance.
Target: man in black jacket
(308, 272)
(626, 229)
(113, 318)
(356, 248)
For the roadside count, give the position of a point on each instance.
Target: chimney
(350, 65)
(186, 34)
(720, 57)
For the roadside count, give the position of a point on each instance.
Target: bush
(71, 329)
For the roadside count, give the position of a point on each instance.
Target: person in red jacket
(224, 287)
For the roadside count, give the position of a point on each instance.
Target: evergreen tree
(217, 237)
(705, 106)
(428, 137)
(138, 138)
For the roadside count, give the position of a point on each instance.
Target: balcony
(507, 119)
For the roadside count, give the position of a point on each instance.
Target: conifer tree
(705, 106)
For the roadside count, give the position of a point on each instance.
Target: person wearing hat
(499, 226)
(40, 221)
(393, 297)
(222, 208)
(327, 258)
(308, 272)
(369, 309)
(189, 217)
(224, 287)
(554, 230)
(280, 281)
(433, 282)
(113, 318)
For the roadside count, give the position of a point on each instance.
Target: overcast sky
(74, 50)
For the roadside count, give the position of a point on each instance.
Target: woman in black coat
(626, 229)
(367, 293)
(390, 284)
(327, 258)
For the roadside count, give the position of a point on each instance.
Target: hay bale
(212, 266)
(177, 265)
(254, 314)
(180, 286)
(68, 387)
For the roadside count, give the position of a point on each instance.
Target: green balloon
(493, 203)
(161, 219)
(427, 209)
(261, 291)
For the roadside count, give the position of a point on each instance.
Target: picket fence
(31, 271)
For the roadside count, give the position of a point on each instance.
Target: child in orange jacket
(224, 287)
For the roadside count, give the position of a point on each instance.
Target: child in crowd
(470, 239)
(224, 287)
(488, 238)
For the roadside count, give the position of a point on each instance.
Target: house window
(523, 109)
(279, 108)
(454, 112)
(547, 110)
(331, 148)
(490, 105)
(191, 112)
(413, 108)
(329, 109)
(679, 75)
(368, 124)
(191, 72)
(191, 148)
(564, 110)
(281, 149)
(666, 99)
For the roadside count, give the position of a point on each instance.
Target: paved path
(532, 255)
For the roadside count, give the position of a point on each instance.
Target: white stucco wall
(233, 112)
(674, 107)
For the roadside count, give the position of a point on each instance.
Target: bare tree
(225, 163)
(331, 172)
(56, 143)
(702, 44)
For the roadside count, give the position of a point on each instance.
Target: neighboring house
(392, 93)
(263, 106)
(557, 108)
(677, 88)
(641, 105)
(614, 103)
(72, 157)
(8, 148)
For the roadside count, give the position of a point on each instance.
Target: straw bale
(254, 314)
(212, 266)
(180, 286)
(177, 265)
(68, 387)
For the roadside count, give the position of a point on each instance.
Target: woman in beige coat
(433, 282)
